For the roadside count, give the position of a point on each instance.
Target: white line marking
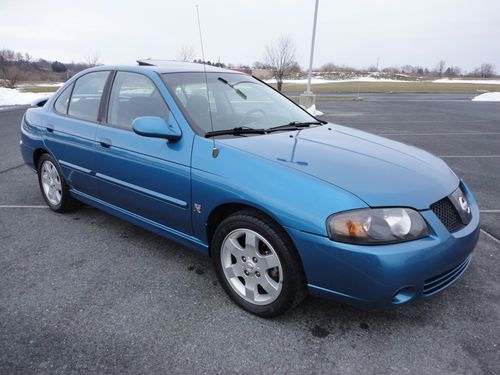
(469, 156)
(456, 133)
(491, 211)
(14, 206)
(490, 236)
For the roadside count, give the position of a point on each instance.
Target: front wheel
(52, 185)
(257, 264)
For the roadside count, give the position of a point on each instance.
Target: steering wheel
(249, 114)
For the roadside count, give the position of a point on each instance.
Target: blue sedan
(282, 202)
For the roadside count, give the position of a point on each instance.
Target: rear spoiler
(40, 102)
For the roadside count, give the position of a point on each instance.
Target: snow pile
(487, 97)
(42, 84)
(374, 79)
(14, 96)
(474, 81)
(313, 111)
(316, 81)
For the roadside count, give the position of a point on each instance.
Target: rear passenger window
(134, 95)
(61, 105)
(84, 103)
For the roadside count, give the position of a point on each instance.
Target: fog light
(403, 295)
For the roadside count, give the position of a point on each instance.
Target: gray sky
(352, 32)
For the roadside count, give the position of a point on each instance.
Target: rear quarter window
(61, 104)
(86, 97)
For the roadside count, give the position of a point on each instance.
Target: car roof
(166, 66)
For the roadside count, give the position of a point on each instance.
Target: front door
(149, 177)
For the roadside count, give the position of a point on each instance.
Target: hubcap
(51, 183)
(251, 266)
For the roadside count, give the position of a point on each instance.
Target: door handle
(50, 128)
(105, 142)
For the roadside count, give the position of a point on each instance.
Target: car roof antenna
(215, 150)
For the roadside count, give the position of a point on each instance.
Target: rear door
(71, 126)
(149, 177)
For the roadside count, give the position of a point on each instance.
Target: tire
(257, 264)
(53, 186)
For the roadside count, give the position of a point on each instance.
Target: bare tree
(92, 59)
(453, 71)
(10, 75)
(485, 71)
(186, 53)
(259, 65)
(10, 72)
(328, 67)
(295, 69)
(440, 67)
(280, 57)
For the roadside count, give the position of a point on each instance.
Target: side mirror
(156, 127)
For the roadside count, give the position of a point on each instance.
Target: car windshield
(234, 100)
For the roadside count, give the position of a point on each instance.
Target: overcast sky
(351, 32)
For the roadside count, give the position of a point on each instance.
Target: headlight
(377, 226)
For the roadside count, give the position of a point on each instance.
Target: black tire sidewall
(292, 272)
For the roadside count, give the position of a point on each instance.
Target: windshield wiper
(294, 125)
(235, 131)
(238, 91)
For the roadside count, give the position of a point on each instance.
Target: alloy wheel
(51, 183)
(251, 266)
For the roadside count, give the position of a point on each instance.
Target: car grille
(447, 213)
(438, 283)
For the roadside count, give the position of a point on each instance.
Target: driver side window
(134, 95)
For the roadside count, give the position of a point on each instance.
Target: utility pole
(308, 99)
(312, 48)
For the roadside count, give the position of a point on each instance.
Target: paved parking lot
(86, 292)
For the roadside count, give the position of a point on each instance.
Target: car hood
(380, 171)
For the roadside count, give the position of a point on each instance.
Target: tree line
(279, 59)
(16, 67)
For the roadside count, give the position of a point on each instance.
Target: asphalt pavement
(86, 292)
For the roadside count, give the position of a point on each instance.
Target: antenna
(215, 151)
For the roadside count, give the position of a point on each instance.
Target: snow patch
(318, 80)
(313, 111)
(474, 81)
(14, 96)
(487, 97)
(314, 81)
(42, 84)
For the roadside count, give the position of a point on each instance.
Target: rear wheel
(52, 185)
(257, 264)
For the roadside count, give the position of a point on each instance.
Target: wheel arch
(37, 154)
(221, 212)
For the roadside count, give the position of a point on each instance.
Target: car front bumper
(382, 275)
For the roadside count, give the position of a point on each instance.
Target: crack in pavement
(12, 168)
